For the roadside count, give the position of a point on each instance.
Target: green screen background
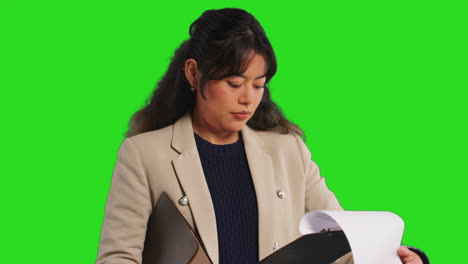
(379, 87)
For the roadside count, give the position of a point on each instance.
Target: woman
(213, 140)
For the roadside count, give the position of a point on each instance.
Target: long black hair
(221, 42)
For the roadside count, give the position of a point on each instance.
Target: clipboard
(169, 238)
(317, 248)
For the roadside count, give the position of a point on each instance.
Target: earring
(192, 89)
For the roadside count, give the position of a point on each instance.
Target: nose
(246, 95)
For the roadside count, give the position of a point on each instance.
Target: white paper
(374, 236)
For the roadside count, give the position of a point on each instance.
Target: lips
(241, 115)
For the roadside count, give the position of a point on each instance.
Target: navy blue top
(232, 191)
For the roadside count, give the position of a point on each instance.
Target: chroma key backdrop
(379, 88)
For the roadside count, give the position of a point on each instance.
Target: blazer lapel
(192, 180)
(261, 169)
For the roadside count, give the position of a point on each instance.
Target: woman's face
(232, 101)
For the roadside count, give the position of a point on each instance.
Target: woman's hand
(408, 257)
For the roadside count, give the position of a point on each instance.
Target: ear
(191, 72)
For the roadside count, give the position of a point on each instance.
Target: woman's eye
(239, 85)
(234, 85)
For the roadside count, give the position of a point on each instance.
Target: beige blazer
(167, 160)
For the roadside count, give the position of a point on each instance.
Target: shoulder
(282, 144)
(150, 146)
(285, 148)
(159, 136)
(274, 139)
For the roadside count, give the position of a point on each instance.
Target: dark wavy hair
(221, 42)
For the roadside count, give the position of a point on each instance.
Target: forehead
(250, 65)
(256, 68)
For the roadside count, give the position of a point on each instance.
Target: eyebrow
(242, 75)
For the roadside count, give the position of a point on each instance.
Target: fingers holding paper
(408, 257)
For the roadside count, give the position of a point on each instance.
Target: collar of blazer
(192, 180)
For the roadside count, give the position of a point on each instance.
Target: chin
(236, 127)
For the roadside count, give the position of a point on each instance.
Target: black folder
(317, 248)
(171, 240)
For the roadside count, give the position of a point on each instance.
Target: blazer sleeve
(317, 194)
(127, 210)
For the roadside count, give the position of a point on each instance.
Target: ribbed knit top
(234, 200)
